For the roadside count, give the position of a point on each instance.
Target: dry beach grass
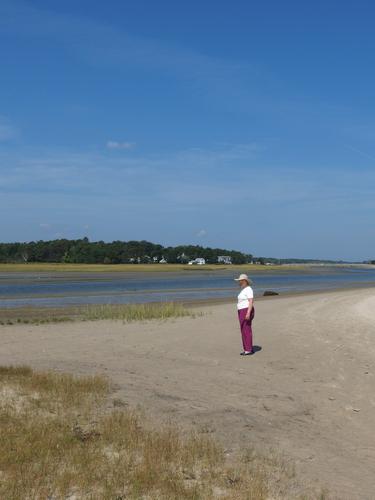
(58, 440)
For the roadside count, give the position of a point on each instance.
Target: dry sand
(308, 392)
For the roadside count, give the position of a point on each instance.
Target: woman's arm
(251, 301)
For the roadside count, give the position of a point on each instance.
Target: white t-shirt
(244, 296)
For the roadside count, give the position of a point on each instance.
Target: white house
(224, 259)
(199, 261)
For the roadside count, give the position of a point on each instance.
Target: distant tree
(115, 252)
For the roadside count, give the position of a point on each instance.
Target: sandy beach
(308, 391)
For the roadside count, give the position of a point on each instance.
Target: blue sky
(247, 125)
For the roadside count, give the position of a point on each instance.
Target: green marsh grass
(135, 312)
(122, 312)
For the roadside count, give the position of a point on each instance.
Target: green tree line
(83, 251)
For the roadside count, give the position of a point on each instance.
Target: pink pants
(246, 330)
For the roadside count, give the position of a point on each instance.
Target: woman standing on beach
(245, 307)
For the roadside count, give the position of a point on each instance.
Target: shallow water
(60, 289)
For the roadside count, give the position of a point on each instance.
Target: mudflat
(308, 391)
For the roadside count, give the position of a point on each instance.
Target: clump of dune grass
(135, 312)
(123, 312)
(62, 387)
(58, 439)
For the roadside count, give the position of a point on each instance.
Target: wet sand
(308, 392)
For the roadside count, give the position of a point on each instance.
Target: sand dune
(308, 392)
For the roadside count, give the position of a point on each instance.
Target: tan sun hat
(243, 277)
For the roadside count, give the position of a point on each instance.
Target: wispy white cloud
(7, 131)
(201, 233)
(100, 44)
(59, 229)
(361, 153)
(240, 86)
(187, 180)
(120, 145)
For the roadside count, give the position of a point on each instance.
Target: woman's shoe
(247, 353)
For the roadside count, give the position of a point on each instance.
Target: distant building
(224, 259)
(134, 260)
(199, 261)
(182, 258)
